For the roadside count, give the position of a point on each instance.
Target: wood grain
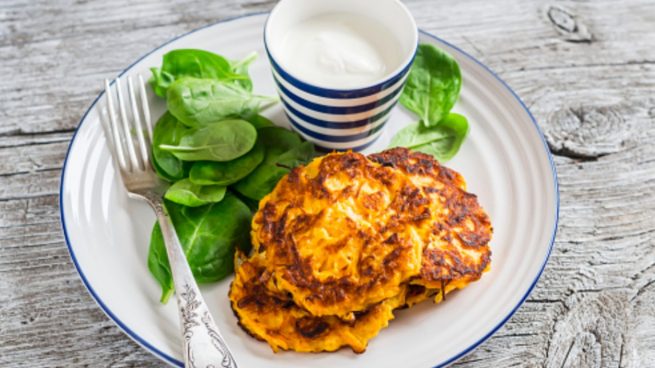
(586, 70)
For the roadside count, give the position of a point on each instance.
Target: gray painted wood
(586, 69)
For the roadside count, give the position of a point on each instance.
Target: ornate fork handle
(204, 347)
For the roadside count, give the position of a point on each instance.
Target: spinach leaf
(192, 63)
(208, 234)
(442, 141)
(416, 134)
(168, 131)
(258, 121)
(160, 81)
(284, 151)
(198, 102)
(158, 264)
(186, 193)
(278, 140)
(433, 85)
(296, 156)
(240, 67)
(229, 172)
(222, 141)
(251, 203)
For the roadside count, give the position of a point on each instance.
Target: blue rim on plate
(139, 340)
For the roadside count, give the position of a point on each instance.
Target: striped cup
(349, 118)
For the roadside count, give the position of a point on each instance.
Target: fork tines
(129, 122)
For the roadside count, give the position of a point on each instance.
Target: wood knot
(593, 332)
(568, 25)
(586, 132)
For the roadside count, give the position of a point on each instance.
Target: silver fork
(203, 344)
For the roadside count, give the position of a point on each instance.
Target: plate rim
(171, 360)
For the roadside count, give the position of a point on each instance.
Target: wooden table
(585, 69)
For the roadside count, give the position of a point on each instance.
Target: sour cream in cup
(340, 66)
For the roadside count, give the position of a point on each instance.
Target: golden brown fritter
(342, 233)
(341, 243)
(274, 318)
(457, 250)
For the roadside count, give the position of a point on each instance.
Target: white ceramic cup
(349, 118)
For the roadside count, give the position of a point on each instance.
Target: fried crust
(457, 250)
(341, 243)
(274, 318)
(342, 234)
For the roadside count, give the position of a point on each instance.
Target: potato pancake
(342, 233)
(341, 243)
(457, 250)
(274, 318)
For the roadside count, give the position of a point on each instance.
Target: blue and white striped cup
(340, 119)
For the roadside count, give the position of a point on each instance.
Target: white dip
(339, 50)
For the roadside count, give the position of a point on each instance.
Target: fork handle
(203, 344)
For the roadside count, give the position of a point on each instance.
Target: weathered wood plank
(586, 69)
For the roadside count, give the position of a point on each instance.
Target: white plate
(504, 160)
